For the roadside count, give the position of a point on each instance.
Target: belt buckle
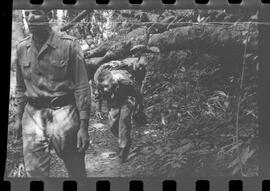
(51, 104)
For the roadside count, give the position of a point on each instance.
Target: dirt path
(101, 157)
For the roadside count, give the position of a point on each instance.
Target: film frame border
(146, 4)
(260, 181)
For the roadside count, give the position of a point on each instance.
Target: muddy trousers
(46, 129)
(120, 124)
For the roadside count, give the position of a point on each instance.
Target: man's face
(37, 20)
(106, 85)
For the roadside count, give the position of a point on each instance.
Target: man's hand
(82, 136)
(18, 129)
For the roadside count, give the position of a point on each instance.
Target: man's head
(38, 20)
(105, 80)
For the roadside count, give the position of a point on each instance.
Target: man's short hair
(104, 75)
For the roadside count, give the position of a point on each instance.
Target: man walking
(123, 98)
(53, 97)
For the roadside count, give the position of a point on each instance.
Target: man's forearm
(83, 102)
(21, 100)
(84, 123)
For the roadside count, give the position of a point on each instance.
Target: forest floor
(101, 157)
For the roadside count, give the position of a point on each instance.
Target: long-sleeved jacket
(57, 69)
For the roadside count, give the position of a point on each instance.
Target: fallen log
(208, 37)
(135, 37)
(213, 38)
(98, 51)
(117, 53)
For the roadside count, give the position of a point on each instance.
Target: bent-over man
(123, 98)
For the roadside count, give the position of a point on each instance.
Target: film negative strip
(137, 95)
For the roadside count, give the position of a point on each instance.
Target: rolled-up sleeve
(20, 87)
(82, 91)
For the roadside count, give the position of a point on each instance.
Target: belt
(51, 102)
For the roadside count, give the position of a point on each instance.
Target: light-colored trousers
(46, 129)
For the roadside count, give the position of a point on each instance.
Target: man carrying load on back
(123, 98)
(120, 84)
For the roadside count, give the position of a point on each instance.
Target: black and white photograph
(133, 93)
